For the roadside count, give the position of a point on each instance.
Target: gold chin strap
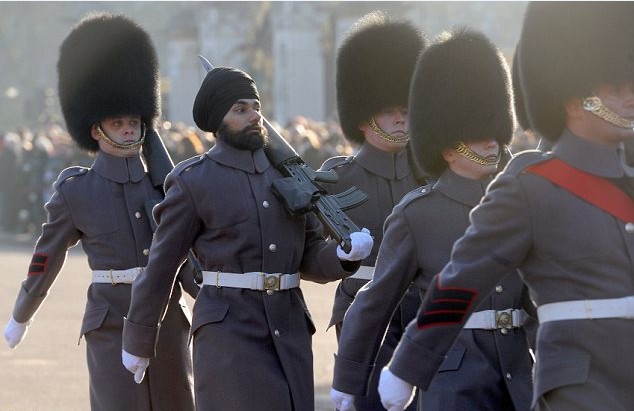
(129, 146)
(596, 107)
(386, 136)
(466, 152)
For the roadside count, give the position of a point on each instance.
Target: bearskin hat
(566, 49)
(460, 91)
(374, 66)
(518, 97)
(107, 66)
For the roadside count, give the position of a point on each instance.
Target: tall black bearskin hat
(107, 66)
(460, 91)
(374, 65)
(566, 49)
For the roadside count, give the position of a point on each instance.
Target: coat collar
(248, 161)
(461, 189)
(593, 158)
(393, 166)
(119, 169)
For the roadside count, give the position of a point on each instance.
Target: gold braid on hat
(466, 152)
(596, 107)
(129, 146)
(386, 136)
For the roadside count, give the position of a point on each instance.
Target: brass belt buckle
(504, 319)
(272, 282)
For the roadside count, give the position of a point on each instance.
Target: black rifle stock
(159, 164)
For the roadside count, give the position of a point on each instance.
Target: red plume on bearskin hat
(374, 66)
(107, 66)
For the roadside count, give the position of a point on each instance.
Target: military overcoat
(103, 207)
(566, 249)
(419, 235)
(385, 178)
(252, 349)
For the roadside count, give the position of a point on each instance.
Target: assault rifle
(299, 190)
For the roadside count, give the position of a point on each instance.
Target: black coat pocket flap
(208, 314)
(452, 360)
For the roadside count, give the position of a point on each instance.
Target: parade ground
(47, 372)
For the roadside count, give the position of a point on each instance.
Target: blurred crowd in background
(31, 160)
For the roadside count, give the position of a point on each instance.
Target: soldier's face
(471, 169)
(394, 122)
(242, 126)
(121, 130)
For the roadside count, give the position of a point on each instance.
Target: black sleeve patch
(38, 264)
(444, 306)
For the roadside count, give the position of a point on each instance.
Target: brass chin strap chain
(129, 146)
(466, 152)
(595, 106)
(386, 136)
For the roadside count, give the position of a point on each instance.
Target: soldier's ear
(574, 108)
(94, 132)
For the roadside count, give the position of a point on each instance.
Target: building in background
(287, 46)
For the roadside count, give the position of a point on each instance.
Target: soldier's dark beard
(249, 138)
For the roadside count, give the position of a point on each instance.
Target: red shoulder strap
(595, 190)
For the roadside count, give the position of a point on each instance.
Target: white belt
(252, 281)
(587, 309)
(364, 272)
(116, 276)
(496, 319)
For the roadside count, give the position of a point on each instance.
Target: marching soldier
(372, 96)
(564, 218)
(461, 122)
(251, 328)
(108, 87)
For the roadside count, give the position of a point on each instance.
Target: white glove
(395, 393)
(361, 246)
(15, 332)
(136, 365)
(342, 401)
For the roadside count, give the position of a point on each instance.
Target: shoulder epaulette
(335, 162)
(186, 165)
(526, 158)
(69, 173)
(418, 192)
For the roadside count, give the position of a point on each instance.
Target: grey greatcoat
(566, 249)
(419, 235)
(252, 349)
(385, 178)
(103, 206)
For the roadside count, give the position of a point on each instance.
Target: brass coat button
(629, 227)
(272, 248)
(146, 251)
(137, 214)
(499, 288)
(265, 204)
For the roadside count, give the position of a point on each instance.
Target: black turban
(221, 88)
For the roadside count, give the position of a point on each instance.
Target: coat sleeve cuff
(26, 305)
(140, 340)
(414, 363)
(351, 377)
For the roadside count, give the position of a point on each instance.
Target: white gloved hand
(342, 401)
(361, 246)
(395, 393)
(136, 365)
(15, 332)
